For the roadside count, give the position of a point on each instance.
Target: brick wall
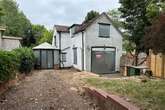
(107, 101)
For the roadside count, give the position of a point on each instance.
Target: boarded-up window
(104, 30)
(75, 56)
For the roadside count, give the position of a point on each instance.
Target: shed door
(47, 59)
(50, 59)
(103, 60)
(43, 59)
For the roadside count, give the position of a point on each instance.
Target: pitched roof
(84, 25)
(44, 45)
(61, 28)
(77, 25)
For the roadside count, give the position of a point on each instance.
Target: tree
(38, 31)
(29, 39)
(1, 14)
(155, 35)
(47, 37)
(90, 15)
(15, 20)
(135, 20)
(154, 8)
(115, 16)
(37, 34)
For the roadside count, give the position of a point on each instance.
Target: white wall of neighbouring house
(65, 40)
(55, 41)
(92, 39)
(66, 48)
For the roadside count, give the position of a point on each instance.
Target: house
(94, 46)
(9, 43)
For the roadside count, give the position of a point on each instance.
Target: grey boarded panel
(43, 59)
(103, 60)
(56, 57)
(50, 58)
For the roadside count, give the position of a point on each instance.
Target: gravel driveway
(44, 90)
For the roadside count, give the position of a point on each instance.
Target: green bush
(21, 60)
(25, 58)
(8, 66)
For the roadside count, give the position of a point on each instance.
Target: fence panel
(158, 65)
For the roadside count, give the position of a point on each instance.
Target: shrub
(26, 59)
(8, 66)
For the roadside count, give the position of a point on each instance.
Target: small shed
(47, 56)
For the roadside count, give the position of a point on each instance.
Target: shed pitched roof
(61, 28)
(45, 45)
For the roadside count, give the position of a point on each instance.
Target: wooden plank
(153, 57)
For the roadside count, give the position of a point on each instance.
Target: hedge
(8, 65)
(26, 59)
(20, 60)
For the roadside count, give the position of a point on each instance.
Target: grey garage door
(103, 60)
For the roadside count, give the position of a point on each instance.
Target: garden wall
(107, 101)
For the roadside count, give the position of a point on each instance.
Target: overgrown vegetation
(8, 65)
(155, 35)
(20, 60)
(90, 15)
(25, 58)
(149, 95)
(137, 16)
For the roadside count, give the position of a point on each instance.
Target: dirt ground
(46, 90)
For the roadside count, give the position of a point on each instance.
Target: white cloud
(66, 12)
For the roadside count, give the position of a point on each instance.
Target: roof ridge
(61, 25)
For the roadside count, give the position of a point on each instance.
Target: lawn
(148, 95)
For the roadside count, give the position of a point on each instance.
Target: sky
(62, 12)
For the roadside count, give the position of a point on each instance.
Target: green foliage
(26, 59)
(135, 20)
(8, 65)
(90, 15)
(115, 16)
(37, 34)
(155, 35)
(46, 37)
(21, 60)
(1, 14)
(155, 8)
(128, 46)
(29, 39)
(14, 19)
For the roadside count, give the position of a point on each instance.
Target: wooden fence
(157, 64)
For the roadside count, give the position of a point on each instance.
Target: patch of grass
(149, 95)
